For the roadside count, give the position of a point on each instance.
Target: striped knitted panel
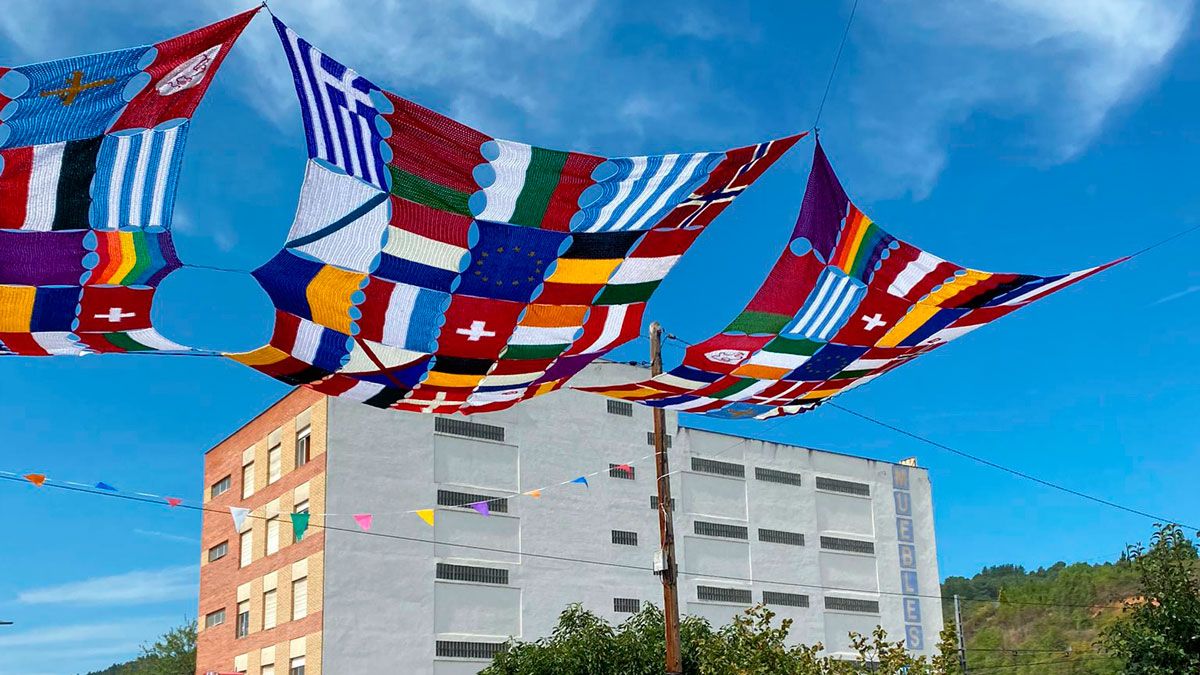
(431, 151)
(340, 219)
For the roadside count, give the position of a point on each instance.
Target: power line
(994, 465)
(1067, 662)
(1015, 472)
(488, 549)
(833, 71)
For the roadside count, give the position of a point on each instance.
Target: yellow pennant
(426, 515)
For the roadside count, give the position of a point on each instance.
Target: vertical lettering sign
(914, 635)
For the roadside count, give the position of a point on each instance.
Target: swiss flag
(478, 327)
(108, 309)
(876, 315)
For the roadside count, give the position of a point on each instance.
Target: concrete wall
(385, 611)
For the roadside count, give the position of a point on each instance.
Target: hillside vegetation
(1048, 619)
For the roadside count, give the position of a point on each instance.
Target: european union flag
(509, 262)
(827, 362)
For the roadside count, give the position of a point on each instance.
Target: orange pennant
(35, 478)
(536, 494)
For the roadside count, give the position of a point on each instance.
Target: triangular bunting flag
(299, 525)
(239, 516)
(536, 494)
(105, 486)
(35, 478)
(482, 508)
(363, 520)
(426, 515)
(582, 480)
(173, 501)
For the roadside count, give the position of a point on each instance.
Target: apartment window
(466, 499)
(274, 464)
(243, 619)
(303, 441)
(299, 598)
(297, 666)
(273, 535)
(650, 438)
(454, 427)
(479, 651)
(620, 471)
(776, 476)
(626, 605)
(852, 605)
(247, 480)
(270, 606)
(624, 538)
(739, 596)
(780, 537)
(622, 408)
(479, 575)
(268, 669)
(785, 599)
(301, 506)
(654, 502)
(214, 618)
(246, 547)
(721, 530)
(848, 545)
(220, 487)
(217, 552)
(844, 486)
(718, 468)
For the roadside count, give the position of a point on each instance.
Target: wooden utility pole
(666, 519)
(962, 639)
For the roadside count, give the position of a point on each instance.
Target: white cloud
(75, 647)
(1055, 69)
(1195, 288)
(131, 588)
(168, 536)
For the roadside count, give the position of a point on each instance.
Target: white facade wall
(386, 612)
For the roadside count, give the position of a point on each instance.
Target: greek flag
(828, 307)
(339, 115)
(136, 176)
(644, 189)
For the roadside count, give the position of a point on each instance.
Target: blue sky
(1013, 136)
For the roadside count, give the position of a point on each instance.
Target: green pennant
(299, 525)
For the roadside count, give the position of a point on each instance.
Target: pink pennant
(624, 467)
(363, 520)
(482, 508)
(173, 501)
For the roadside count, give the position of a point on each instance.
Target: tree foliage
(753, 644)
(1159, 631)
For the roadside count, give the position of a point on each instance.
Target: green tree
(1159, 632)
(753, 644)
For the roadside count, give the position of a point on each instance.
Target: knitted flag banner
(90, 154)
(433, 268)
(845, 303)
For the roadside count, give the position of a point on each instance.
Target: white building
(837, 543)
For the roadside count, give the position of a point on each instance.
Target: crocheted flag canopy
(433, 268)
(845, 303)
(90, 153)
